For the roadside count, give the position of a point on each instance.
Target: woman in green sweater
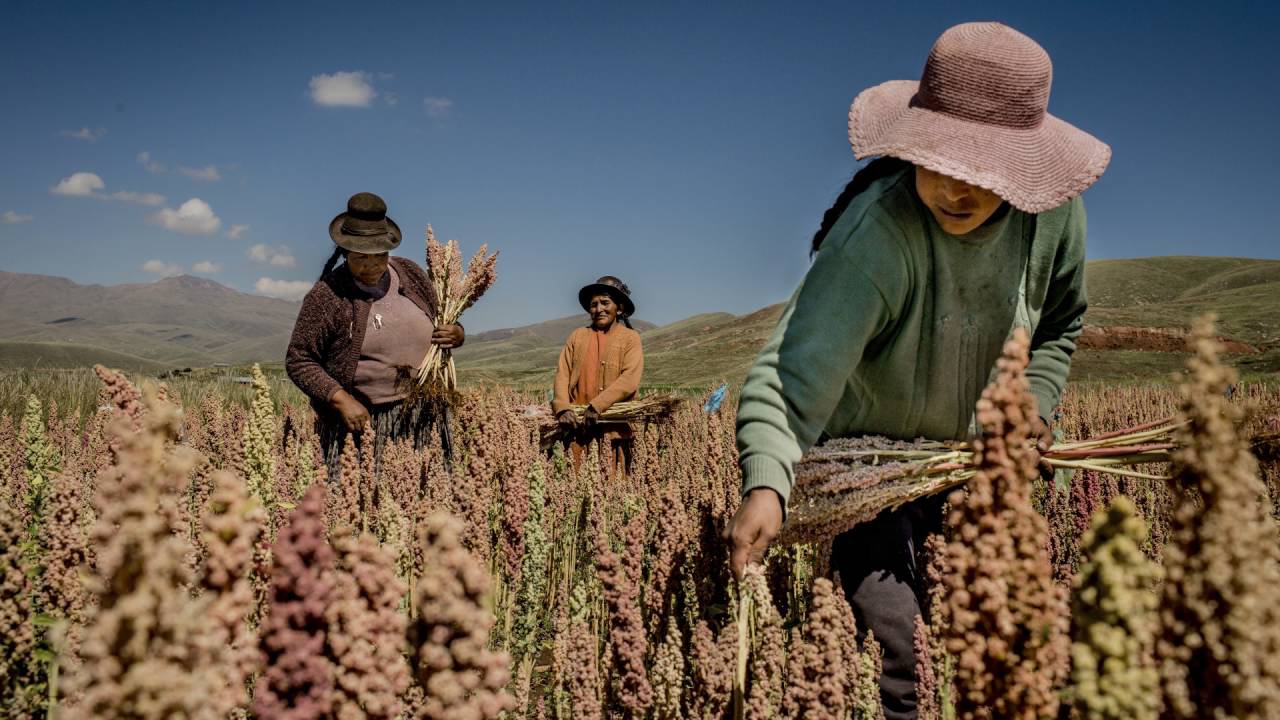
(968, 225)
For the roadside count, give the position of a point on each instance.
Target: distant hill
(1138, 313)
(174, 321)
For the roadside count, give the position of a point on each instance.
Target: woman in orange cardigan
(600, 365)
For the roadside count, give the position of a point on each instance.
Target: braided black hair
(876, 169)
(331, 262)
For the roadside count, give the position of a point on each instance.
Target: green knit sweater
(897, 326)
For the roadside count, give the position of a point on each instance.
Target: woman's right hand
(353, 413)
(753, 527)
(568, 420)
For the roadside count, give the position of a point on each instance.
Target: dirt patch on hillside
(1120, 337)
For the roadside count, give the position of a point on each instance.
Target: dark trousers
(882, 570)
(391, 422)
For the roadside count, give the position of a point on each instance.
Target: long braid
(876, 169)
(331, 262)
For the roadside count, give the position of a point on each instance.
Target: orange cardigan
(623, 365)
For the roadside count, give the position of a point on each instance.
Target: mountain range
(1138, 311)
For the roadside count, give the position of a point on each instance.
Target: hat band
(354, 226)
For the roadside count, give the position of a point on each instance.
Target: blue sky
(688, 148)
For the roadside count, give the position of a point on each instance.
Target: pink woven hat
(980, 114)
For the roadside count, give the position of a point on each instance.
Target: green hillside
(70, 355)
(1164, 292)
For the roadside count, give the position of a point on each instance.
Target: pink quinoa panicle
(366, 631)
(1003, 617)
(1219, 645)
(122, 394)
(712, 656)
(17, 634)
(143, 648)
(233, 523)
(767, 660)
(297, 680)
(450, 634)
(927, 701)
(620, 579)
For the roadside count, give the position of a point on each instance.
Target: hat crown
(987, 73)
(614, 282)
(366, 206)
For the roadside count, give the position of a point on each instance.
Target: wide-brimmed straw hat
(979, 114)
(365, 227)
(614, 288)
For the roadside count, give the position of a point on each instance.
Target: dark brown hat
(614, 288)
(365, 227)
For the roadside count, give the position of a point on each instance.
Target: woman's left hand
(590, 417)
(1042, 433)
(448, 336)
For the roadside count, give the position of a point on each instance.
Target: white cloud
(85, 133)
(437, 107)
(193, 217)
(208, 267)
(151, 199)
(12, 218)
(81, 184)
(144, 159)
(161, 268)
(283, 289)
(343, 89)
(279, 256)
(208, 173)
(237, 231)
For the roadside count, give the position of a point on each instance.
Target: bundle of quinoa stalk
(849, 481)
(652, 407)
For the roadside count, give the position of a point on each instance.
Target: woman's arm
(1062, 320)
(564, 368)
(848, 297)
(307, 348)
(628, 381)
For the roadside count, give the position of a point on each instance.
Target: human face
(368, 269)
(958, 206)
(603, 311)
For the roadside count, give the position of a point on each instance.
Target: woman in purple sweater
(361, 329)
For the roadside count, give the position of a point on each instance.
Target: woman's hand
(1042, 433)
(590, 417)
(448, 336)
(752, 528)
(568, 420)
(353, 413)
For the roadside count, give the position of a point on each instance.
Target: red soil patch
(1120, 337)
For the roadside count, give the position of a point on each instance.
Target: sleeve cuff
(762, 471)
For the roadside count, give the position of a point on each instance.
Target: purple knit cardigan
(325, 346)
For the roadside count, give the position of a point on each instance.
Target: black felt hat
(365, 227)
(614, 288)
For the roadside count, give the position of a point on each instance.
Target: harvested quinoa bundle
(366, 631)
(1003, 617)
(297, 683)
(463, 679)
(1219, 647)
(143, 649)
(1114, 614)
(233, 523)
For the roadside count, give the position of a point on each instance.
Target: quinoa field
(176, 554)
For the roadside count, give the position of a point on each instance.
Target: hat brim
(1034, 169)
(367, 244)
(590, 291)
